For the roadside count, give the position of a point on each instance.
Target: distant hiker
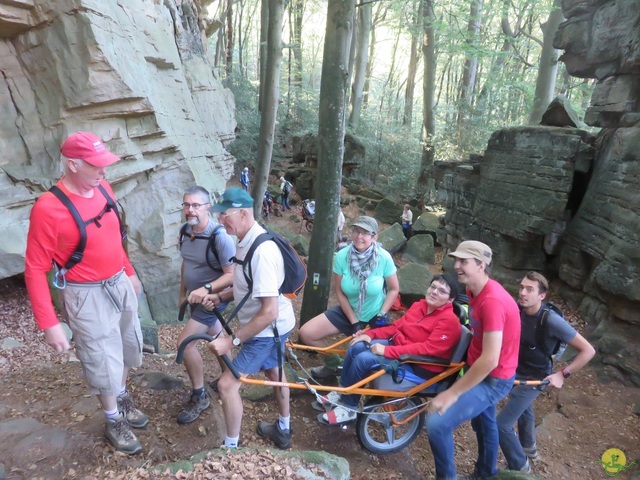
(266, 320)
(492, 356)
(542, 331)
(407, 221)
(285, 190)
(78, 218)
(244, 178)
(206, 251)
(366, 284)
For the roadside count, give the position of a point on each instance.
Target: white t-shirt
(267, 268)
(340, 220)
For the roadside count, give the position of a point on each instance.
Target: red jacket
(419, 333)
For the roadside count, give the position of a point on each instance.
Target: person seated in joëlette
(430, 328)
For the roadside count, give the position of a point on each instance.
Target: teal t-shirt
(375, 283)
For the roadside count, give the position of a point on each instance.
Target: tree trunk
(229, 59)
(270, 106)
(414, 59)
(424, 183)
(333, 91)
(467, 85)
(298, 8)
(546, 81)
(381, 14)
(240, 44)
(362, 56)
(264, 31)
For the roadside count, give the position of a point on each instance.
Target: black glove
(359, 326)
(380, 320)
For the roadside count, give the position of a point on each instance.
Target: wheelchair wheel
(309, 226)
(376, 432)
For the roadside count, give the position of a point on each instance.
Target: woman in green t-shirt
(366, 286)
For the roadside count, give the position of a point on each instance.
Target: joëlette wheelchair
(392, 411)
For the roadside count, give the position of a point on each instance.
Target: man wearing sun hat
(99, 292)
(266, 320)
(493, 358)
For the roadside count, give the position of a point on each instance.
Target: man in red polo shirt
(99, 292)
(493, 358)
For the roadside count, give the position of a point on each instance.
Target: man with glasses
(206, 251)
(266, 320)
(493, 358)
(99, 292)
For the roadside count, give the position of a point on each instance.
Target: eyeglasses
(225, 214)
(439, 290)
(195, 206)
(362, 233)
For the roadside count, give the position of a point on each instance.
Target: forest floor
(50, 428)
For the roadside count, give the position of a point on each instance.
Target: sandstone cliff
(135, 72)
(563, 201)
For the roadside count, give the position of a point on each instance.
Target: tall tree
(297, 8)
(229, 58)
(333, 91)
(271, 99)
(468, 82)
(361, 59)
(548, 69)
(262, 54)
(424, 184)
(414, 59)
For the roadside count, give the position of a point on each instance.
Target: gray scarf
(361, 264)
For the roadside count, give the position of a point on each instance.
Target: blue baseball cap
(233, 198)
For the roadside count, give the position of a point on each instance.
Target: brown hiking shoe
(135, 417)
(119, 433)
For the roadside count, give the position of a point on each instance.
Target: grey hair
(198, 190)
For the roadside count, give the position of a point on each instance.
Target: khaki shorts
(103, 317)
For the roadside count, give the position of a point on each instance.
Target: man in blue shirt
(535, 363)
(244, 178)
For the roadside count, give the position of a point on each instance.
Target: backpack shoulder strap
(111, 205)
(78, 253)
(211, 247)
(542, 331)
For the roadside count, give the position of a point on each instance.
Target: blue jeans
(479, 406)
(518, 408)
(358, 364)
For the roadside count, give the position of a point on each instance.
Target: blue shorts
(259, 353)
(204, 316)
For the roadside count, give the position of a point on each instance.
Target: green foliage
(245, 147)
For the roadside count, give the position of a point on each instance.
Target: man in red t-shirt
(493, 358)
(99, 292)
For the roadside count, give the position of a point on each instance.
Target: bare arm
(486, 362)
(225, 281)
(183, 288)
(267, 314)
(343, 300)
(585, 354)
(393, 288)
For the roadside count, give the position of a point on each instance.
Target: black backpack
(295, 271)
(542, 332)
(211, 247)
(76, 256)
(287, 187)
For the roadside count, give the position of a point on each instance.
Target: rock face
(135, 73)
(564, 202)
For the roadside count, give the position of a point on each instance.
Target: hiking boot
(272, 431)
(119, 433)
(197, 405)
(323, 372)
(531, 452)
(135, 417)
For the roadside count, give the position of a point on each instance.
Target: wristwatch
(208, 287)
(565, 373)
(235, 341)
